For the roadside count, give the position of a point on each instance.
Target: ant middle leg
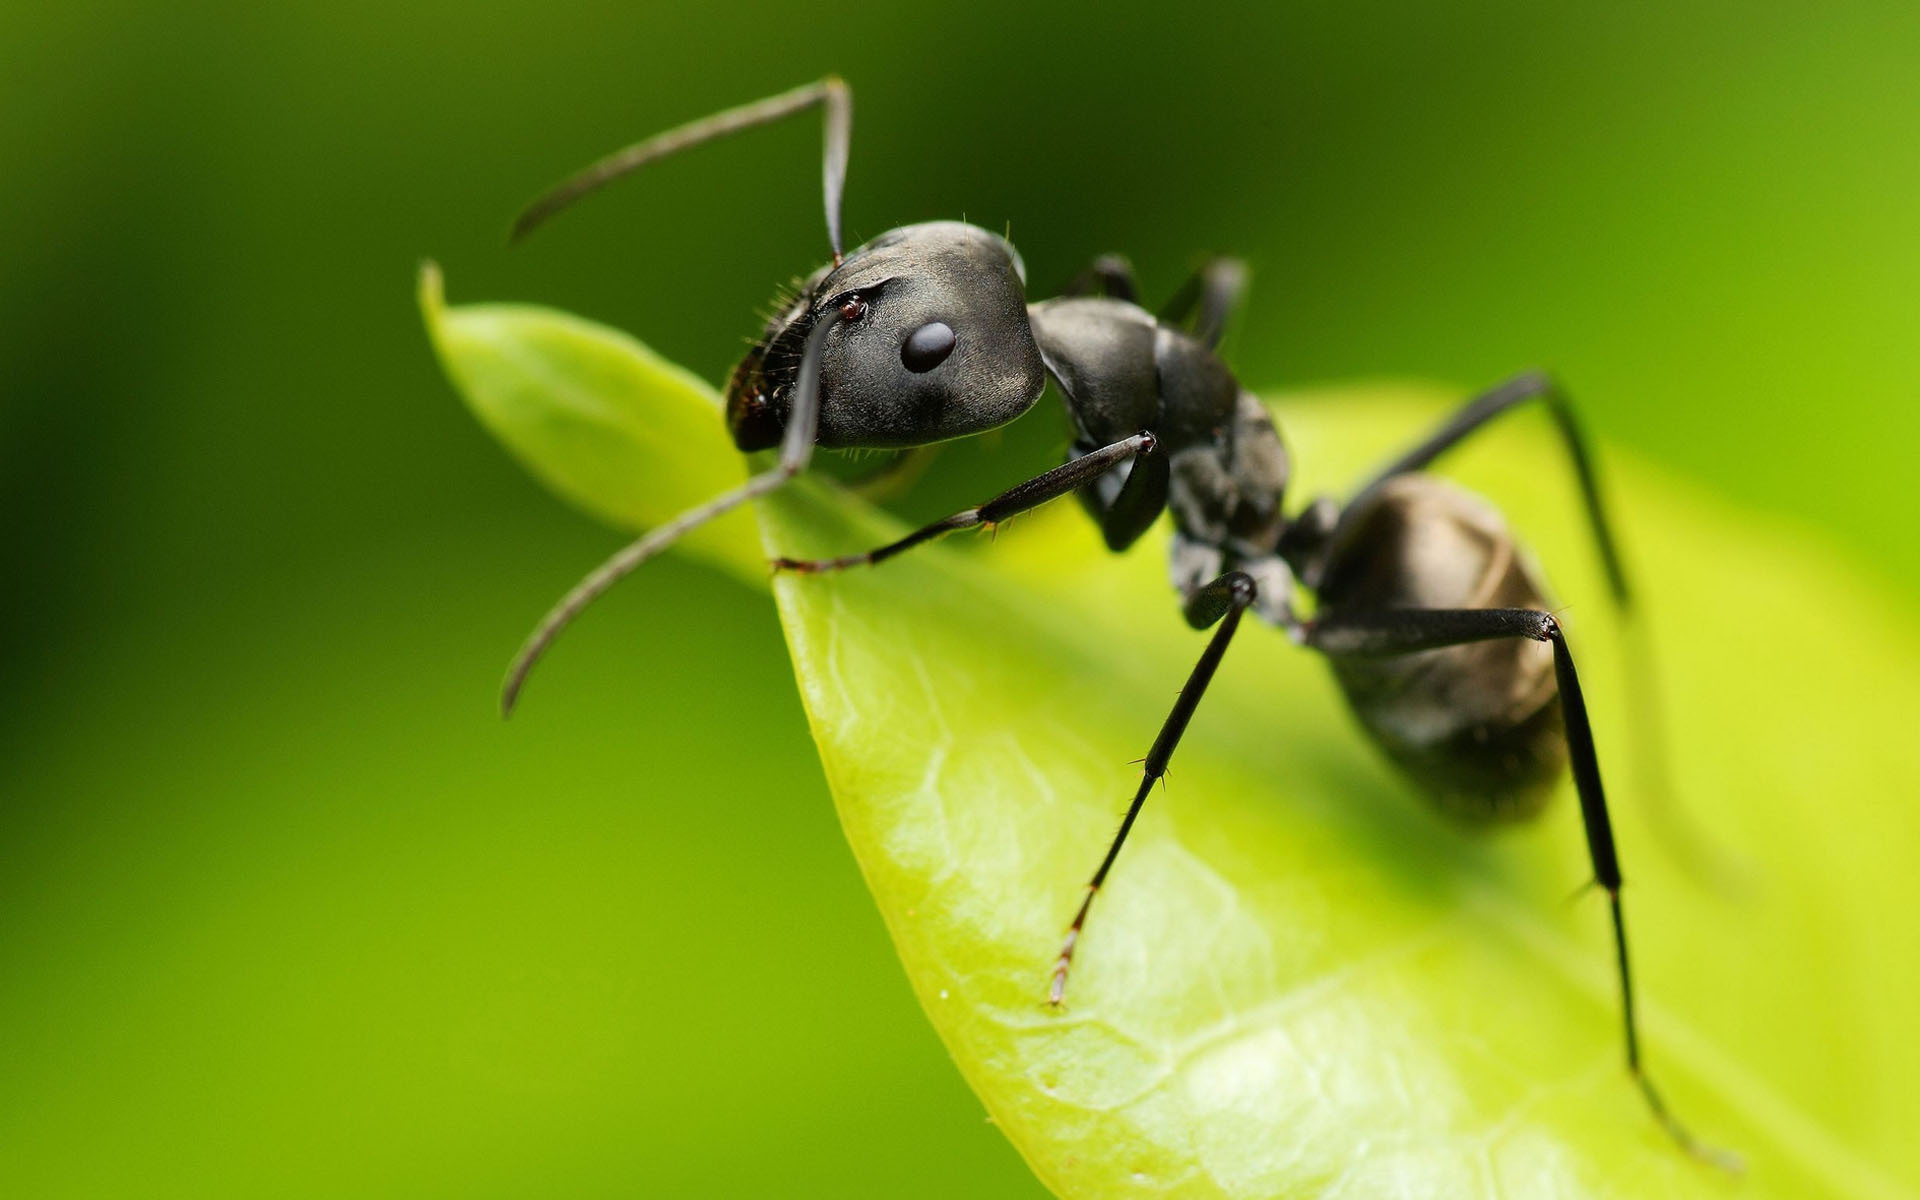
(1213, 292)
(1224, 601)
(1391, 632)
(1049, 485)
(1211, 295)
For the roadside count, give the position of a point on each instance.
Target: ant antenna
(831, 93)
(796, 448)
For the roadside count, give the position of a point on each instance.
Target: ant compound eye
(927, 347)
(853, 308)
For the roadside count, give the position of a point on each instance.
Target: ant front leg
(1224, 600)
(1213, 292)
(1030, 495)
(1109, 275)
(1409, 631)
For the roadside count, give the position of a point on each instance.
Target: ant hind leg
(1408, 631)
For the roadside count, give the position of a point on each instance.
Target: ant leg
(1534, 385)
(1109, 275)
(1127, 506)
(1683, 838)
(1223, 600)
(1029, 495)
(1215, 289)
(1408, 631)
(831, 93)
(796, 449)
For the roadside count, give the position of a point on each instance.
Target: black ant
(1432, 623)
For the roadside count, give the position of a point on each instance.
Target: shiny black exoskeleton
(1434, 628)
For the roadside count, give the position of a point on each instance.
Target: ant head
(932, 343)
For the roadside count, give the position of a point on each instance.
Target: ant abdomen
(1477, 726)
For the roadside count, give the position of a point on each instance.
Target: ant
(1433, 625)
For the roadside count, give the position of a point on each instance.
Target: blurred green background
(283, 906)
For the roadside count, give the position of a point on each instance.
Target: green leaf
(608, 424)
(1298, 981)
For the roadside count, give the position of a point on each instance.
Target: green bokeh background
(285, 909)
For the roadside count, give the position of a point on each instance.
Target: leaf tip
(431, 292)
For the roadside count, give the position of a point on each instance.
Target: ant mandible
(1434, 627)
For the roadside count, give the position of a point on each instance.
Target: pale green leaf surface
(1299, 982)
(602, 420)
